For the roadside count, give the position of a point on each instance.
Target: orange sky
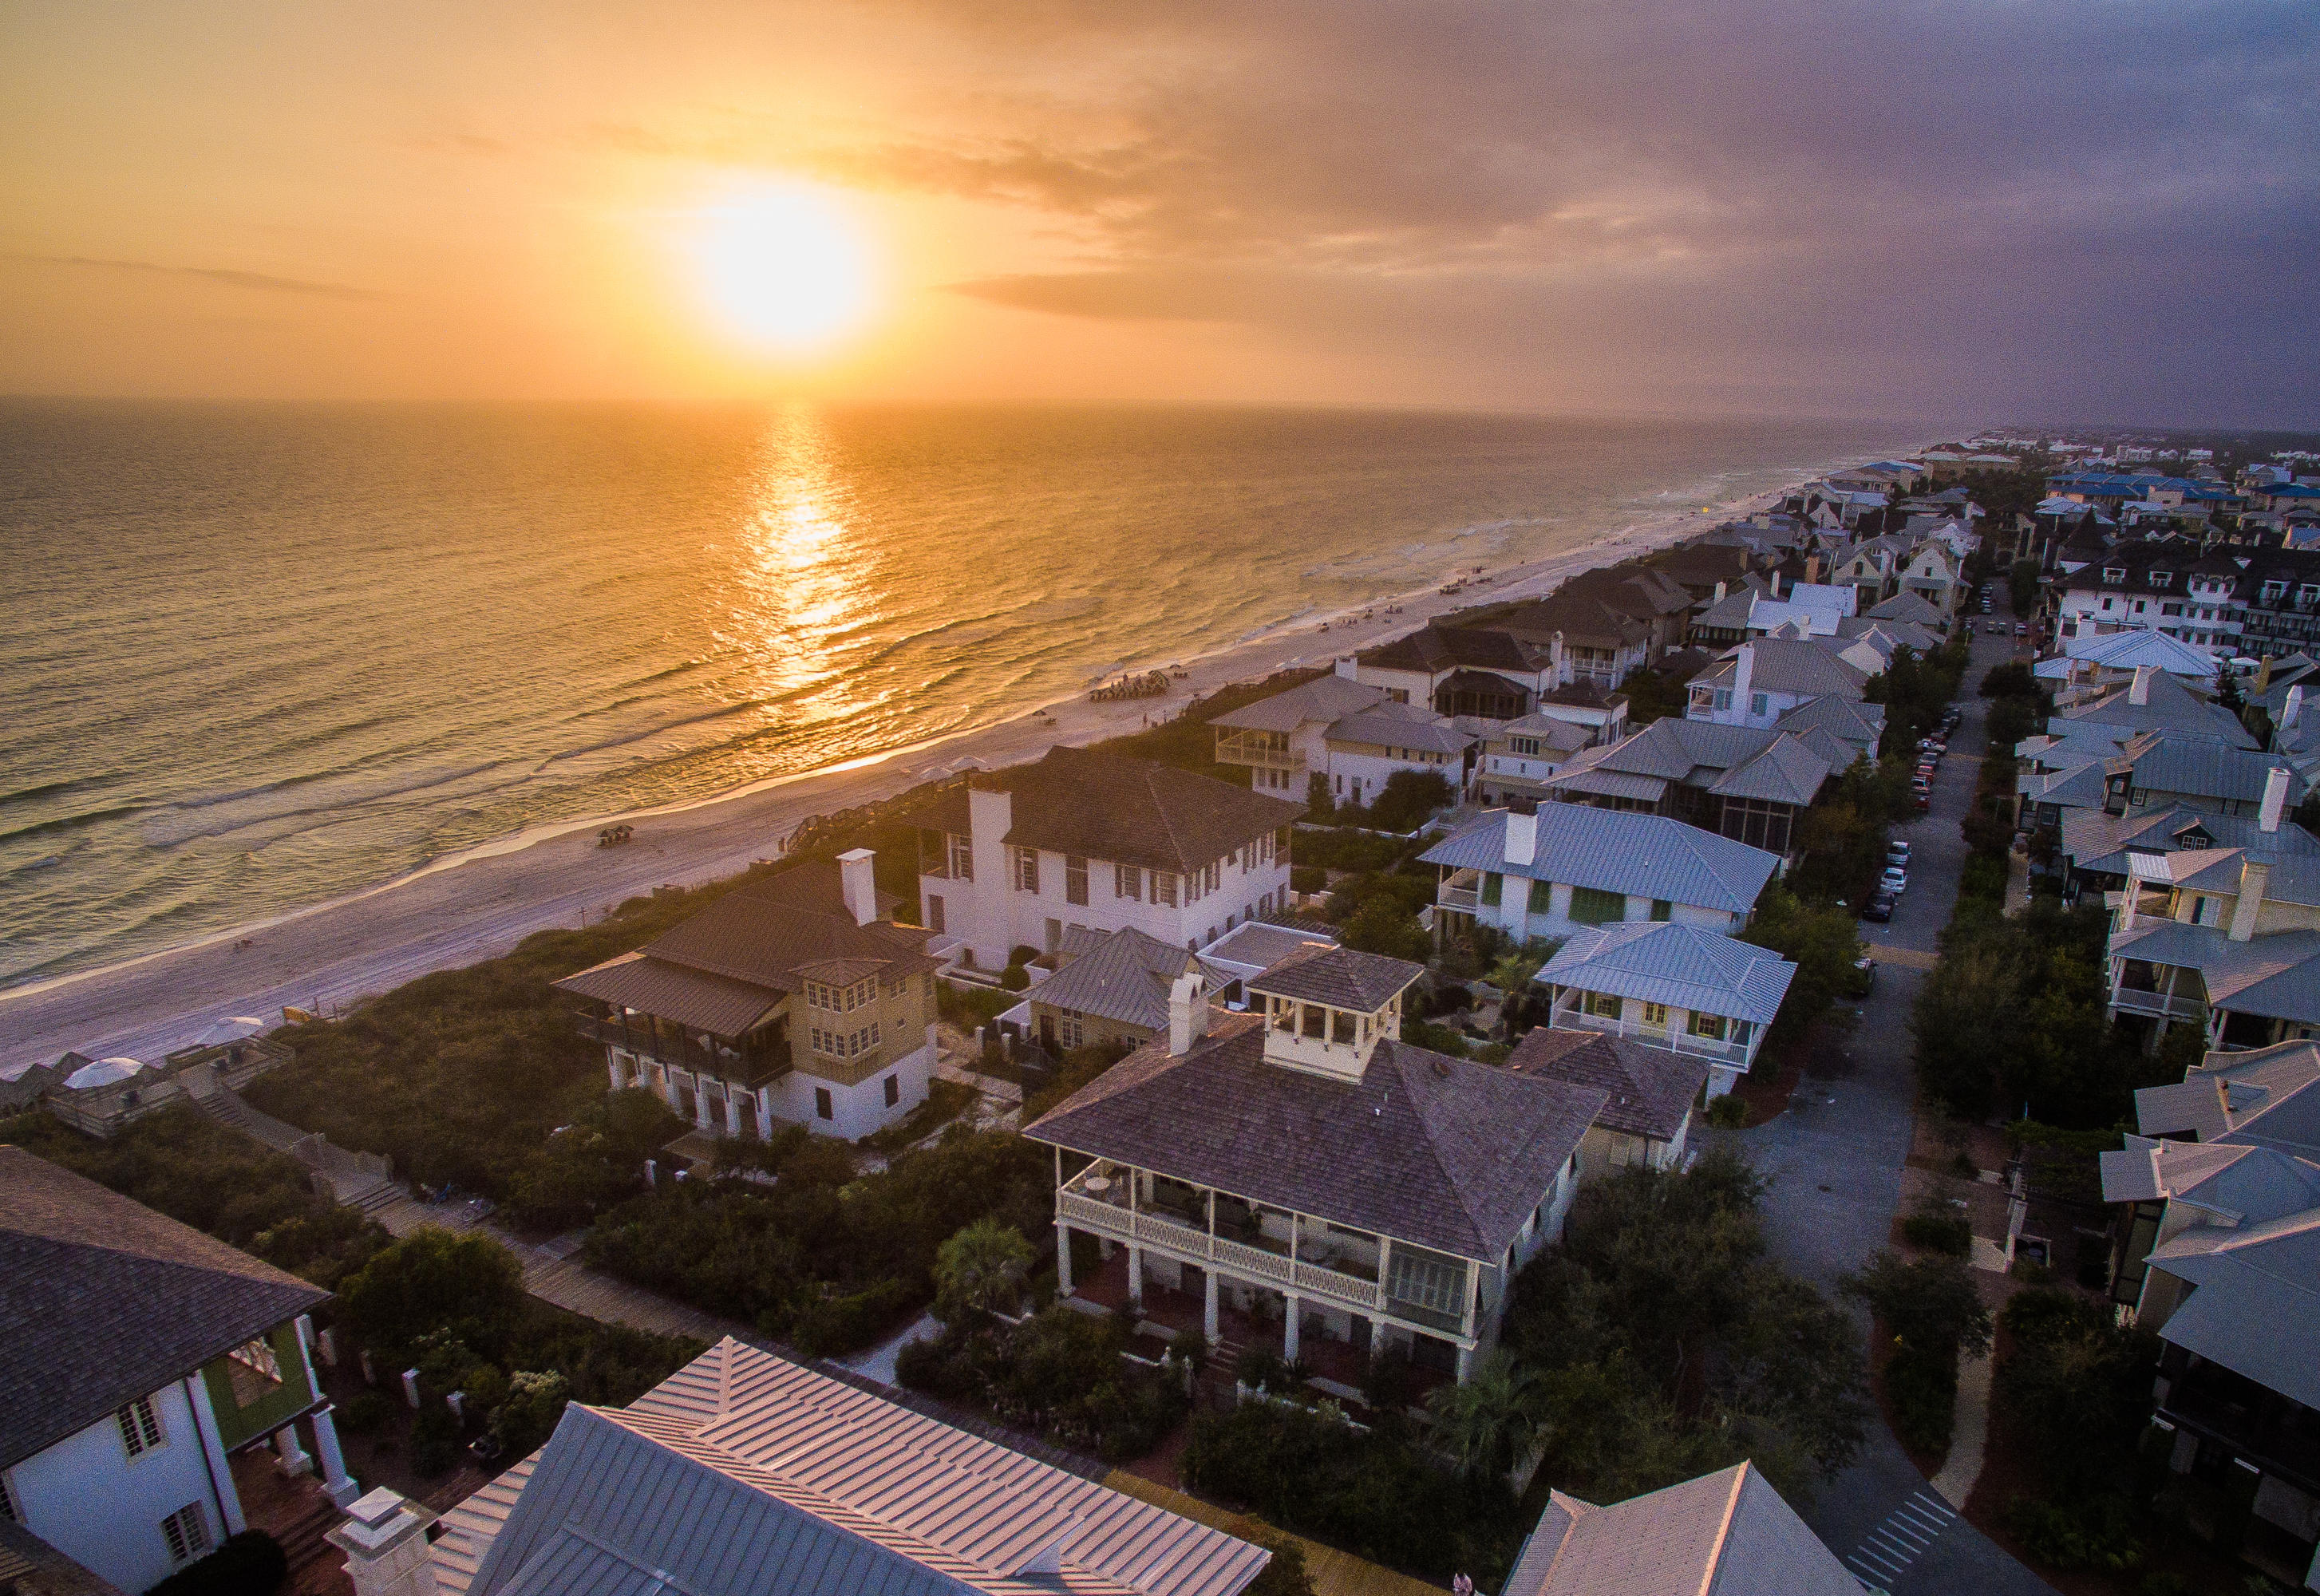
(1776, 207)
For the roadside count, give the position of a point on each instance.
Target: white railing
(1254, 748)
(1098, 1216)
(1658, 1035)
(1344, 1287)
(1110, 1219)
(1249, 1259)
(2135, 1002)
(1459, 897)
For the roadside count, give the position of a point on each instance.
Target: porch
(1571, 1013)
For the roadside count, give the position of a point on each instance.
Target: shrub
(1727, 1112)
(535, 1401)
(1286, 1574)
(247, 1563)
(1921, 1383)
(1935, 1231)
(1014, 978)
(435, 1441)
(845, 1322)
(436, 1280)
(1022, 953)
(2098, 1533)
(1306, 878)
(365, 1411)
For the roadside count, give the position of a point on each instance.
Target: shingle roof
(1135, 811)
(1316, 702)
(1724, 1534)
(1437, 648)
(1399, 726)
(1439, 1151)
(107, 1300)
(1339, 977)
(1645, 856)
(1124, 976)
(1651, 1089)
(745, 1473)
(1668, 962)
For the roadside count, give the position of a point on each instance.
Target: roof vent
(1442, 1068)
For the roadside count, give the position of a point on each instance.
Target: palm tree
(1490, 1424)
(981, 1269)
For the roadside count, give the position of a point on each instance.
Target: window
(1493, 885)
(1523, 744)
(1603, 1004)
(1163, 888)
(1398, 694)
(2162, 578)
(1710, 1025)
(1662, 908)
(1723, 698)
(935, 915)
(893, 1090)
(1128, 882)
(1542, 897)
(962, 855)
(2114, 574)
(1026, 869)
(1075, 880)
(1758, 703)
(1592, 907)
(141, 1426)
(187, 1533)
(1055, 935)
(1655, 1015)
(1070, 1028)
(821, 1105)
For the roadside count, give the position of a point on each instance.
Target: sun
(785, 269)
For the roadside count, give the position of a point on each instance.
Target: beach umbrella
(235, 1029)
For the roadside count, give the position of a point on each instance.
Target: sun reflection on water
(802, 596)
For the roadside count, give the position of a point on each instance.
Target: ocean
(255, 657)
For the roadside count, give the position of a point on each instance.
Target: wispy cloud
(264, 282)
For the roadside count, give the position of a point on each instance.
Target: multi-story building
(2160, 584)
(139, 1358)
(1015, 858)
(1694, 991)
(1299, 1166)
(1348, 733)
(1724, 1534)
(1751, 785)
(789, 1000)
(1757, 683)
(1647, 1121)
(2280, 602)
(1569, 865)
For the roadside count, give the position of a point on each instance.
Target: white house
(1757, 684)
(1647, 1119)
(140, 1357)
(1675, 986)
(1571, 866)
(1016, 857)
(1518, 759)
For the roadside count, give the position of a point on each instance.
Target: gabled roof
(2096, 840)
(1337, 977)
(2276, 975)
(2257, 1308)
(1651, 1089)
(1399, 726)
(1643, 855)
(1860, 724)
(1316, 702)
(2230, 1185)
(107, 1300)
(1910, 606)
(1787, 665)
(1441, 1152)
(2171, 707)
(1435, 648)
(1668, 962)
(1124, 976)
(2125, 650)
(2202, 768)
(746, 1473)
(1724, 1534)
(1786, 772)
(1132, 811)
(2267, 1097)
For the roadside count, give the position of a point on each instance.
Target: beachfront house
(1015, 858)
(1649, 1092)
(791, 1000)
(1758, 684)
(1468, 672)
(1298, 1176)
(1739, 781)
(745, 1473)
(1696, 992)
(1346, 732)
(1724, 1534)
(147, 1367)
(1569, 865)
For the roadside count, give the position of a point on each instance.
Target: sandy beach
(481, 903)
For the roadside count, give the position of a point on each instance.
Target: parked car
(1895, 880)
(1897, 852)
(2021, 628)
(1925, 798)
(1880, 906)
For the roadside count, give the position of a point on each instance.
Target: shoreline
(480, 901)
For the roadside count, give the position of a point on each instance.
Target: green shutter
(1542, 896)
(1591, 906)
(1492, 884)
(1660, 908)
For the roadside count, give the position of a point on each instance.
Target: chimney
(384, 1538)
(860, 884)
(2253, 877)
(1720, 592)
(2275, 798)
(1744, 676)
(2140, 693)
(1348, 666)
(1522, 839)
(1188, 1013)
(2263, 675)
(2294, 709)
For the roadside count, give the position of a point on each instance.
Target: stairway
(300, 1538)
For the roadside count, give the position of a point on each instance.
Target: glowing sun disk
(786, 269)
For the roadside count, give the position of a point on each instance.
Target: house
(1934, 572)
(2223, 938)
(1811, 610)
(1280, 739)
(1517, 758)
(1465, 672)
(1111, 987)
(2151, 700)
(140, 1357)
(1873, 568)
(1757, 684)
(1299, 1166)
(2106, 659)
(1724, 1534)
(2220, 1258)
(2152, 770)
(2167, 585)
(1369, 748)
(1913, 607)
(789, 1000)
(1569, 866)
(747, 1474)
(1739, 781)
(1013, 858)
(2264, 1097)
(1694, 991)
(1646, 1119)
(2100, 851)
(2278, 597)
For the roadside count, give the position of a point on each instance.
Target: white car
(1895, 880)
(1897, 854)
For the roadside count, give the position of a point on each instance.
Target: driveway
(1834, 1161)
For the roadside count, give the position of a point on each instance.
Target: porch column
(1063, 1259)
(700, 1101)
(1295, 1306)
(613, 1065)
(1209, 1311)
(291, 1455)
(340, 1484)
(1465, 1364)
(764, 1115)
(1136, 1276)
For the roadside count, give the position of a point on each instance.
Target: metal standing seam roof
(1123, 978)
(1319, 702)
(2264, 1097)
(1840, 717)
(107, 1300)
(1786, 772)
(1724, 1534)
(2171, 707)
(1787, 667)
(2292, 879)
(2257, 1308)
(1643, 855)
(745, 1473)
(1682, 966)
(1441, 1152)
(2276, 975)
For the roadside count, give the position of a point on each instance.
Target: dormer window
(2114, 573)
(2162, 578)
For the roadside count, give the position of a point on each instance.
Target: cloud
(265, 282)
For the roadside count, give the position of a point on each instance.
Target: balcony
(1265, 750)
(1570, 1016)
(2160, 1004)
(1461, 889)
(752, 1062)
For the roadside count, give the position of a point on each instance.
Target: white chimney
(2254, 876)
(1188, 1013)
(1720, 592)
(2275, 798)
(2140, 693)
(1744, 676)
(860, 884)
(1522, 839)
(1348, 666)
(384, 1538)
(2294, 709)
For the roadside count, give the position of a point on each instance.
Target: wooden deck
(1335, 1572)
